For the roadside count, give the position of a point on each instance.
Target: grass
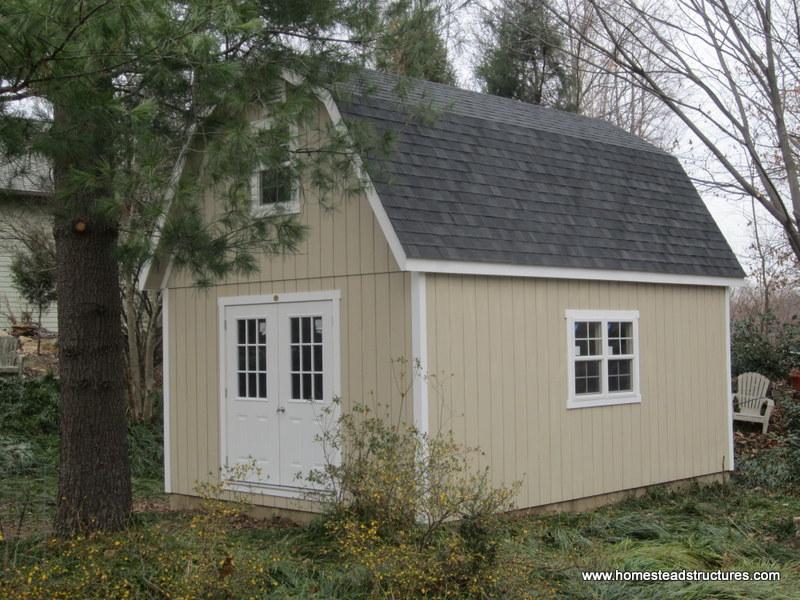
(218, 553)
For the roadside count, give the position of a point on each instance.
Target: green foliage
(522, 54)
(762, 344)
(411, 44)
(412, 511)
(29, 431)
(33, 270)
(777, 467)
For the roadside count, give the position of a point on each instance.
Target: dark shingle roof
(487, 179)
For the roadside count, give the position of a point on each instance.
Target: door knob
(281, 409)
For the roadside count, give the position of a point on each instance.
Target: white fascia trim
(165, 382)
(728, 388)
(223, 301)
(502, 270)
(419, 351)
(372, 195)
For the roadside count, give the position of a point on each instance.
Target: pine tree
(411, 44)
(144, 104)
(522, 54)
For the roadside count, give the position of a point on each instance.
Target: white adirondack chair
(10, 361)
(750, 402)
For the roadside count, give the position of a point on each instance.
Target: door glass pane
(262, 385)
(317, 357)
(305, 350)
(295, 385)
(318, 330)
(318, 386)
(251, 358)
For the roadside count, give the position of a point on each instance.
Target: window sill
(604, 400)
(284, 208)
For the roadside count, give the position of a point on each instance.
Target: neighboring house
(560, 283)
(24, 188)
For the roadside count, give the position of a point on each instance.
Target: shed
(559, 283)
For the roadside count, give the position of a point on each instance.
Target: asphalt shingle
(473, 177)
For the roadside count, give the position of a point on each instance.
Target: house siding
(23, 210)
(345, 250)
(497, 353)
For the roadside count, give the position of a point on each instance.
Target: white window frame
(604, 398)
(292, 207)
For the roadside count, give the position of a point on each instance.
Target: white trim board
(224, 301)
(165, 382)
(454, 267)
(419, 352)
(728, 388)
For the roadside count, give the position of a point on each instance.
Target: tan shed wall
(497, 352)
(345, 250)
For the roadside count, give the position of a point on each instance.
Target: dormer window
(274, 187)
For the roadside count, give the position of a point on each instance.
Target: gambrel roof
(478, 178)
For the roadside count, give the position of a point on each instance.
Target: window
(306, 357)
(603, 350)
(251, 346)
(273, 188)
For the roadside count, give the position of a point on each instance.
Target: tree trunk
(151, 344)
(94, 484)
(134, 363)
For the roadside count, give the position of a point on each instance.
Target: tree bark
(134, 364)
(151, 344)
(94, 485)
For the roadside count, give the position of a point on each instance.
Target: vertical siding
(345, 250)
(498, 348)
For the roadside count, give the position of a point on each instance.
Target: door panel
(306, 337)
(252, 433)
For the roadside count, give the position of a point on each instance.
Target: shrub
(29, 419)
(29, 407)
(762, 344)
(16, 456)
(777, 467)
(411, 510)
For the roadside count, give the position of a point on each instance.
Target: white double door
(279, 361)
